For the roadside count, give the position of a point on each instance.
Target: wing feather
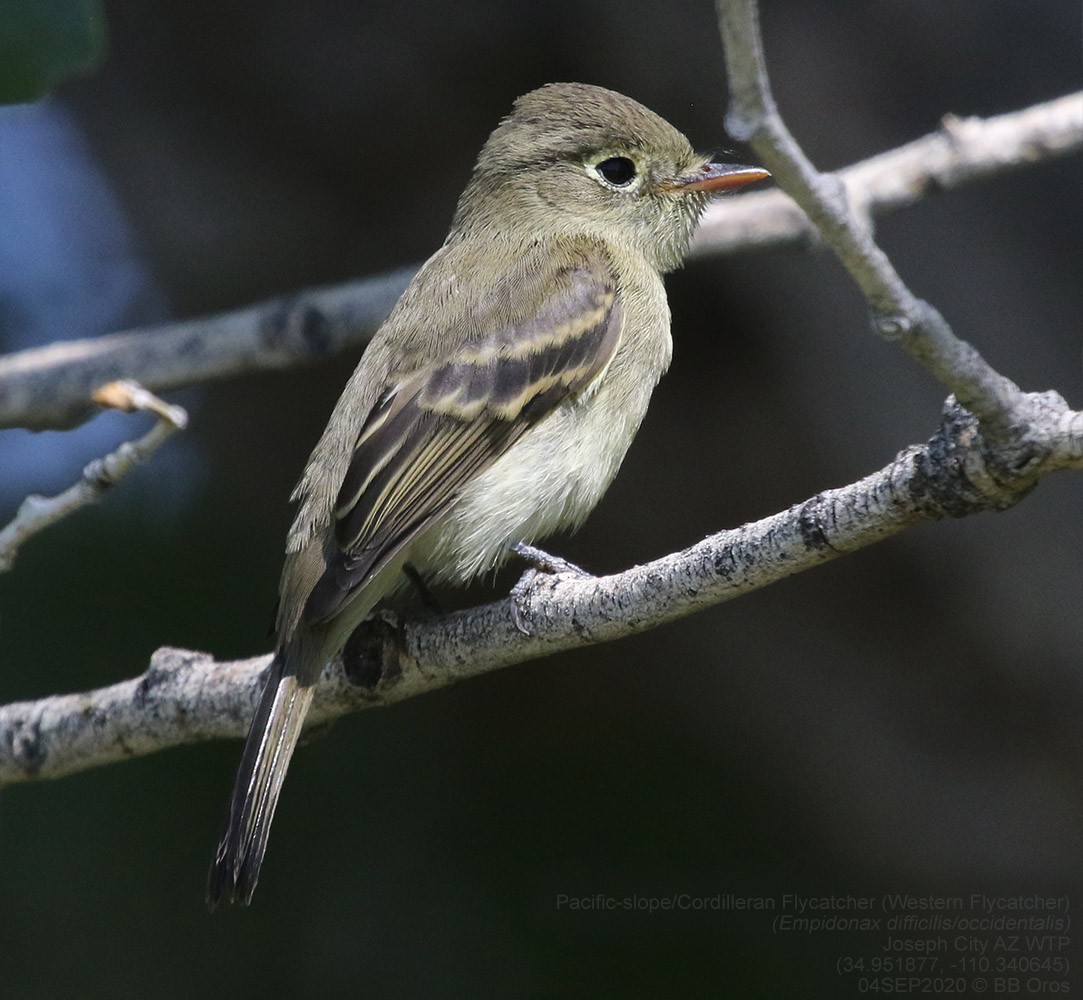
(437, 428)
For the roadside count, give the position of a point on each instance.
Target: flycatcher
(495, 404)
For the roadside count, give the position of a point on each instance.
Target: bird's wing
(437, 428)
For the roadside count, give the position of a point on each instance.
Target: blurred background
(906, 719)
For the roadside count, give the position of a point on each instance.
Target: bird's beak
(713, 177)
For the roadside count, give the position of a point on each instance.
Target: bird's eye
(617, 170)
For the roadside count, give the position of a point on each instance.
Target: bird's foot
(539, 562)
(543, 562)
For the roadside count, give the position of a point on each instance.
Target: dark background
(906, 719)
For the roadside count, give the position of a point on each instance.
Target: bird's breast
(553, 477)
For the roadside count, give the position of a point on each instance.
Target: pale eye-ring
(617, 171)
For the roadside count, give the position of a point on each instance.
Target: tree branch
(187, 697)
(50, 386)
(897, 314)
(963, 151)
(36, 513)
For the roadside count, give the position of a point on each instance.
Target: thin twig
(36, 513)
(897, 314)
(961, 152)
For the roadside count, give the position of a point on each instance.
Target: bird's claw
(518, 597)
(539, 562)
(544, 562)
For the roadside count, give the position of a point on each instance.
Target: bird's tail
(270, 744)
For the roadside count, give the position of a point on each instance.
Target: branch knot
(958, 473)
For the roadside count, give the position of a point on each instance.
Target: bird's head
(573, 158)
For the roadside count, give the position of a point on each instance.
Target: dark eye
(617, 170)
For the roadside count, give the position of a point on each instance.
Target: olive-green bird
(495, 404)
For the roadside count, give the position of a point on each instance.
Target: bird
(494, 405)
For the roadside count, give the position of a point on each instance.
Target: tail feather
(272, 737)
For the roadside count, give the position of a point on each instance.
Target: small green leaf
(44, 42)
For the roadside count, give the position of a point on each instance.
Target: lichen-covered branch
(187, 697)
(50, 386)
